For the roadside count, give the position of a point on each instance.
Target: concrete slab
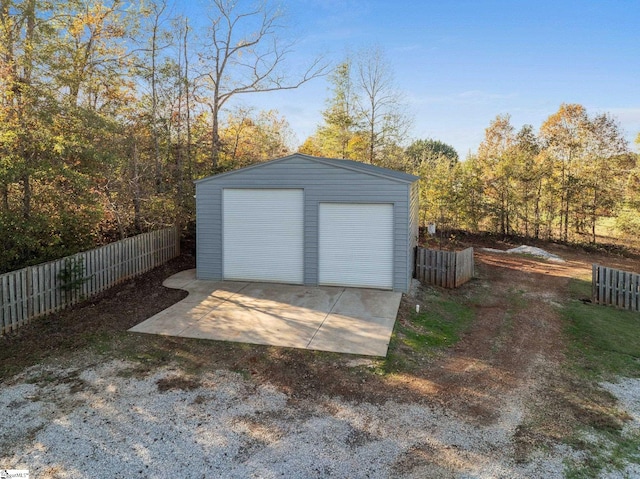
(345, 320)
(368, 303)
(337, 335)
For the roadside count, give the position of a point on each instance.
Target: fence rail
(46, 288)
(614, 287)
(448, 269)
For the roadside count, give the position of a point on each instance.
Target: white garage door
(263, 235)
(356, 245)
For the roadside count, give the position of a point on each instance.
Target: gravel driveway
(101, 423)
(85, 399)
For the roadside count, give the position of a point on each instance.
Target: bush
(628, 222)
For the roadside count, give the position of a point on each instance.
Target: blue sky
(459, 63)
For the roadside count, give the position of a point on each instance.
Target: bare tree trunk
(179, 173)
(536, 212)
(26, 196)
(30, 13)
(372, 140)
(135, 180)
(187, 99)
(154, 107)
(116, 211)
(243, 56)
(594, 213)
(5, 197)
(566, 219)
(526, 212)
(216, 146)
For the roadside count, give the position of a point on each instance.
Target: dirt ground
(506, 371)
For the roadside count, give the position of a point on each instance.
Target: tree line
(110, 109)
(555, 183)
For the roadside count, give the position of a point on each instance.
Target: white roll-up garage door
(263, 235)
(356, 245)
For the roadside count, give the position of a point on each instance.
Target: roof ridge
(366, 168)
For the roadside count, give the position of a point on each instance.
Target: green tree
(529, 177)
(564, 134)
(628, 219)
(429, 151)
(471, 193)
(89, 58)
(339, 135)
(251, 137)
(602, 171)
(497, 156)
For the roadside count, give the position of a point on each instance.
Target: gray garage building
(307, 220)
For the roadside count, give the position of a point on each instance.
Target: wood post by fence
(614, 287)
(448, 269)
(46, 288)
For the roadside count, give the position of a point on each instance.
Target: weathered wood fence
(448, 269)
(38, 290)
(614, 287)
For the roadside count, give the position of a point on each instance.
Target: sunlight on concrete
(344, 320)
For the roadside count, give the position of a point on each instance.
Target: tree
(252, 138)
(365, 119)
(245, 53)
(564, 134)
(342, 119)
(428, 151)
(380, 103)
(159, 39)
(628, 219)
(496, 155)
(606, 157)
(529, 176)
(89, 57)
(440, 199)
(471, 193)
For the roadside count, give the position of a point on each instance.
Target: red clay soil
(502, 360)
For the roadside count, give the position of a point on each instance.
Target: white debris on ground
(104, 422)
(530, 250)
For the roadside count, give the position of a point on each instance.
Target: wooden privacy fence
(614, 287)
(38, 290)
(448, 269)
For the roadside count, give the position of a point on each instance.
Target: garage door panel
(356, 244)
(263, 235)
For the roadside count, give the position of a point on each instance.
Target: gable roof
(345, 164)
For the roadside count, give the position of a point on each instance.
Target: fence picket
(448, 269)
(615, 287)
(4, 289)
(37, 290)
(25, 296)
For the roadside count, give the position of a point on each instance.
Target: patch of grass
(438, 325)
(608, 454)
(101, 342)
(606, 340)
(605, 344)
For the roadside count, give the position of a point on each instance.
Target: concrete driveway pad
(325, 318)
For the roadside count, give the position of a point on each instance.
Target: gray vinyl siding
(322, 182)
(414, 228)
